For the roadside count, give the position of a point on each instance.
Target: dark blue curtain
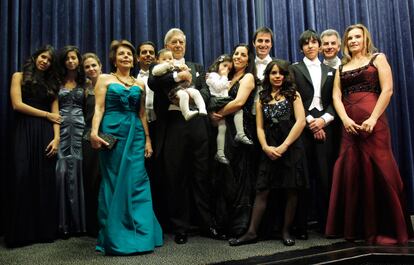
(212, 27)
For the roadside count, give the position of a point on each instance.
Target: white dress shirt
(261, 65)
(149, 96)
(315, 71)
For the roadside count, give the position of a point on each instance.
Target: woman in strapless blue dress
(127, 221)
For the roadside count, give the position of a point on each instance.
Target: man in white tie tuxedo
(263, 43)
(183, 146)
(314, 82)
(146, 57)
(331, 45)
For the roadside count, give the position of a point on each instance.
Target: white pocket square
(330, 73)
(197, 74)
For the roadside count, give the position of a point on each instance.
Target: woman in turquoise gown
(127, 221)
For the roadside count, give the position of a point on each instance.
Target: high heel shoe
(288, 242)
(234, 242)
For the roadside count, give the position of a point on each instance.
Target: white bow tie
(144, 73)
(313, 63)
(262, 61)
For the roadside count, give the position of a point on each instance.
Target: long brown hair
(369, 48)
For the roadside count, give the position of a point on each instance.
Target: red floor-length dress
(367, 198)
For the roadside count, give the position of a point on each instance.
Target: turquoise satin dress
(127, 221)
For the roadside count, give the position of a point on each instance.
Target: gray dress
(71, 205)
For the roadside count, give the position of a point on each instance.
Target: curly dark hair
(288, 89)
(63, 53)
(48, 78)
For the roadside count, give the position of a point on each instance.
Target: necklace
(277, 96)
(124, 82)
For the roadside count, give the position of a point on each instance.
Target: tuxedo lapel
(302, 67)
(193, 71)
(324, 71)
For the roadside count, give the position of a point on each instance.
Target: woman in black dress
(71, 203)
(92, 67)
(235, 181)
(280, 119)
(32, 212)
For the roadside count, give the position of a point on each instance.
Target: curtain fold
(212, 27)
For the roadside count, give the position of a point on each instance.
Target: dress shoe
(288, 242)
(180, 238)
(214, 233)
(64, 235)
(242, 138)
(222, 159)
(234, 242)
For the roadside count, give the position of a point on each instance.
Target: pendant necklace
(123, 82)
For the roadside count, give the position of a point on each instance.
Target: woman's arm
(386, 83)
(247, 85)
(143, 118)
(20, 106)
(349, 125)
(297, 128)
(100, 93)
(53, 146)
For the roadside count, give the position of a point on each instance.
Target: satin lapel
(193, 71)
(324, 71)
(302, 67)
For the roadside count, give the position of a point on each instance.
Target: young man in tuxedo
(182, 145)
(314, 82)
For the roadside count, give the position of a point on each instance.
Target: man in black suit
(182, 145)
(315, 82)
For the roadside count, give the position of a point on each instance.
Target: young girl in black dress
(280, 120)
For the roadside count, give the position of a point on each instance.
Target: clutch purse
(109, 138)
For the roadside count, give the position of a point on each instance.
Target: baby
(183, 91)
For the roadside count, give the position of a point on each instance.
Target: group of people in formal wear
(254, 144)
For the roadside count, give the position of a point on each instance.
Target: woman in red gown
(367, 198)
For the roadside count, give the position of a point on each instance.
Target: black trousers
(185, 160)
(320, 160)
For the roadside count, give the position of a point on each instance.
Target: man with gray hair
(331, 45)
(182, 146)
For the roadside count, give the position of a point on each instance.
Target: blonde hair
(93, 56)
(369, 47)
